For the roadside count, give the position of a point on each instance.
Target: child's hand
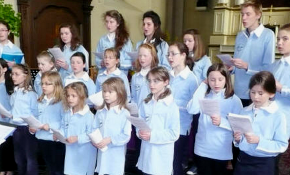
(62, 63)
(106, 141)
(145, 135)
(32, 130)
(252, 138)
(237, 136)
(278, 86)
(216, 120)
(239, 63)
(54, 137)
(72, 139)
(45, 127)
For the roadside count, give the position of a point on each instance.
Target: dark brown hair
(256, 4)
(8, 79)
(154, 62)
(184, 49)
(264, 79)
(26, 70)
(75, 40)
(285, 27)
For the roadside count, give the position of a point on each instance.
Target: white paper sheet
(99, 54)
(56, 52)
(210, 106)
(139, 123)
(96, 137)
(5, 131)
(59, 136)
(4, 112)
(240, 123)
(32, 122)
(133, 109)
(133, 55)
(226, 59)
(97, 99)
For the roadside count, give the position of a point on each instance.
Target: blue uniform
(67, 56)
(156, 155)
(4, 100)
(11, 49)
(139, 87)
(200, 68)
(102, 77)
(213, 141)
(183, 86)
(162, 51)
(113, 123)
(125, 60)
(85, 79)
(258, 50)
(80, 157)
(281, 72)
(50, 114)
(270, 125)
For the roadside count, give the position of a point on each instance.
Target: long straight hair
(75, 40)
(152, 50)
(28, 80)
(8, 79)
(82, 92)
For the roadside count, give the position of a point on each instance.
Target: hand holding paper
(59, 136)
(56, 52)
(240, 123)
(210, 107)
(139, 123)
(226, 59)
(96, 137)
(32, 122)
(4, 112)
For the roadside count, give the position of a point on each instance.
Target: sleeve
(123, 137)
(98, 85)
(91, 87)
(193, 105)
(279, 142)
(285, 91)
(133, 90)
(138, 44)
(163, 49)
(126, 61)
(99, 49)
(34, 104)
(207, 64)
(127, 87)
(83, 137)
(171, 132)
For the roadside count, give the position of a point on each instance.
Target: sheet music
(97, 137)
(5, 131)
(99, 54)
(32, 122)
(4, 112)
(210, 106)
(133, 55)
(226, 59)
(56, 52)
(139, 123)
(59, 136)
(240, 123)
(97, 99)
(133, 109)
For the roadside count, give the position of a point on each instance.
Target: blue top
(270, 125)
(79, 124)
(156, 155)
(102, 77)
(280, 70)
(4, 100)
(67, 56)
(113, 123)
(258, 50)
(11, 49)
(24, 104)
(105, 43)
(139, 87)
(183, 86)
(213, 141)
(162, 51)
(50, 114)
(85, 79)
(200, 68)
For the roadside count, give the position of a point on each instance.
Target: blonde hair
(47, 56)
(116, 84)
(285, 27)
(28, 80)
(82, 92)
(154, 62)
(56, 81)
(115, 52)
(255, 4)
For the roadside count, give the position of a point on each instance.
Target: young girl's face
(111, 24)
(47, 87)
(18, 77)
(250, 17)
(72, 98)
(145, 57)
(65, 35)
(77, 64)
(188, 40)
(259, 96)
(110, 97)
(175, 58)
(216, 81)
(283, 42)
(156, 86)
(4, 32)
(148, 27)
(110, 60)
(44, 65)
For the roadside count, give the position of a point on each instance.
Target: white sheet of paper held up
(133, 55)
(139, 123)
(4, 112)
(56, 52)
(97, 99)
(32, 122)
(210, 106)
(240, 123)
(133, 108)
(96, 137)
(59, 136)
(99, 54)
(5, 131)
(226, 59)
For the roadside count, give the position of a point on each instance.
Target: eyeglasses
(172, 54)
(154, 81)
(46, 84)
(3, 30)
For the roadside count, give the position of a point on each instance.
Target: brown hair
(255, 4)
(75, 40)
(161, 74)
(122, 34)
(82, 92)
(264, 79)
(115, 52)
(56, 81)
(154, 62)
(26, 70)
(116, 84)
(285, 27)
(184, 49)
(198, 48)
(229, 90)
